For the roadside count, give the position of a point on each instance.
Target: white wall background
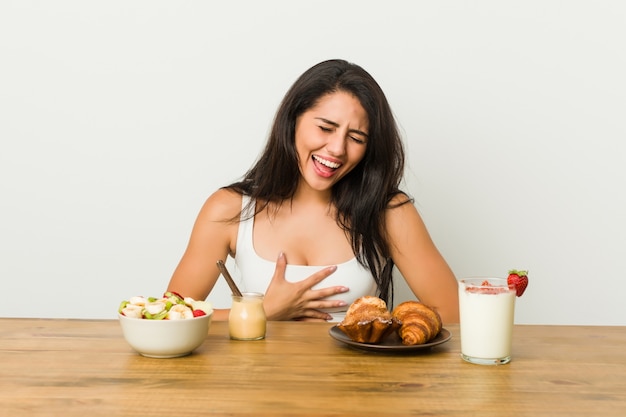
(118, 118)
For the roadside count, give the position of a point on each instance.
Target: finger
(318, 277)
(281, 267)
(314, 315)
(319, 293)
(323, 304)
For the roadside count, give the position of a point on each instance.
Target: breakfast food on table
(368, 320)
(172, 306)
(487, 312)
(518, 280)
(420, 323)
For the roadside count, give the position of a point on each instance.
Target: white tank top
(255, 273)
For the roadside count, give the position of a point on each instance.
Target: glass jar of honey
(247, 320)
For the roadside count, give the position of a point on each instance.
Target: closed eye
(358, 140)
(328, 126)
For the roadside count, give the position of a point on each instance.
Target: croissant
(368, 320)
(420, 323)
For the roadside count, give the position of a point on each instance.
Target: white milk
(486, 322)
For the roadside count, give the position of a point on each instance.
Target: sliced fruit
(179, 311)
(202, 305)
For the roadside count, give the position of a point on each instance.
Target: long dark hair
(363, 195)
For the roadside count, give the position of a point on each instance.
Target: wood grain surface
(52, 367)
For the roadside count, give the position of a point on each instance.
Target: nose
(336, 144)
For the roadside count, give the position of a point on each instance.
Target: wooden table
(52, 367)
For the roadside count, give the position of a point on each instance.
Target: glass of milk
(246, 320)
(487, 307)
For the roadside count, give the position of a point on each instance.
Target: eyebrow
(335, 124)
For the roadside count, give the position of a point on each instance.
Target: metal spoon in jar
(229, 279)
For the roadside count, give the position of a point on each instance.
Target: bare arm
(213, 237)
(420, 263)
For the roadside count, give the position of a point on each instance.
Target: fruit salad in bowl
(165, 327)
(172, 306)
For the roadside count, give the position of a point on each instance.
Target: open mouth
(325, 163)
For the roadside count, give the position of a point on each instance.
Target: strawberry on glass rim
(518, 280)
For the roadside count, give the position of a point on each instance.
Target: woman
(323, 200)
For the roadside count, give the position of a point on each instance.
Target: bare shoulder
(216, 223)
(400, 206)
(402, 219)
(222, 205)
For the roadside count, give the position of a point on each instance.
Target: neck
(305, 194)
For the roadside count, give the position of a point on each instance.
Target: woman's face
(331, 139)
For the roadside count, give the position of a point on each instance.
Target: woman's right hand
(286, 300)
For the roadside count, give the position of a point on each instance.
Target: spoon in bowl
(229, 279)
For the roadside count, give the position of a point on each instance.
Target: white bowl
(165, 338)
